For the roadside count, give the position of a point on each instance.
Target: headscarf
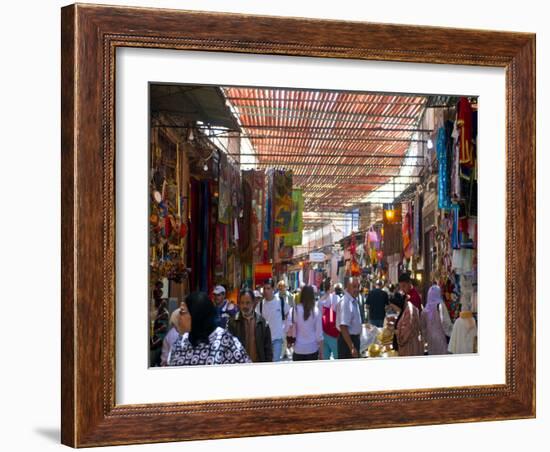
(434, 298)
(203, 317)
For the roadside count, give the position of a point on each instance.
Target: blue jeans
(330, 345)
(277, 346)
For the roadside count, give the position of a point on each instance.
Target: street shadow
(52, 434)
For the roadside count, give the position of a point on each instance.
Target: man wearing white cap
(224, 308)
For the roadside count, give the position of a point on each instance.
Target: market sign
(317, 257)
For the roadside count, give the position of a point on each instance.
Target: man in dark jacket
(251, 329)
(377, 302)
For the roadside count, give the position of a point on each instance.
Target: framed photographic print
(267, 218)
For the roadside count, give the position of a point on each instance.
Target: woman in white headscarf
(435, 323)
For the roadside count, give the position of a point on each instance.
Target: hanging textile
(444, 199)
(294, 237)
(282, 201)
(282, 251)
(372, 239)
(224, 190)
(373, 257)
(406, 232)
(417, 224)
(463, 260)
(245, 232)
(464, 123)
(393, 239)
(247, 276)
(193, 261)
(261, 273)
(203, 234)
(466, 144)
(455, 242)
(238, 276)
(220, 258)
(455, 162)
(230, 269)
(468, 188)
(212, 220)
(245, 221)
(238, 202)
(257, 215)
(267, 249)
(298, 225)
(355, 269)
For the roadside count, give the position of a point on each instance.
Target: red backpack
(329, 322)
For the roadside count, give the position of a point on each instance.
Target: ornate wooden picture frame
(90, 37)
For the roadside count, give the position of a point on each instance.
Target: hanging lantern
(390, 215)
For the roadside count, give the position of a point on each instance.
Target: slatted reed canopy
(340, 146)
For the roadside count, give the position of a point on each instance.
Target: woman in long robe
(435, 323)
(407, 335)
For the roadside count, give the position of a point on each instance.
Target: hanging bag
(372, 236)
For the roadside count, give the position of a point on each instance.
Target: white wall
(30, 228)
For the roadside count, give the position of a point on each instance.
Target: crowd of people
(271, 324)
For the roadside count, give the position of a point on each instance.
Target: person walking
(405, 284)
(362, 301)
(284, 294)
(348, 321)
(306, 321)
(224, 308)
(181, 323)
(377, 301)
(251, 329)
(282, 291)
(327, 306)
(435, 323)
(275, 311)
(205, 343)
(407, 340)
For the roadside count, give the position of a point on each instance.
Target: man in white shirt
(275, 311)
(348, 321)
(283, 292)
